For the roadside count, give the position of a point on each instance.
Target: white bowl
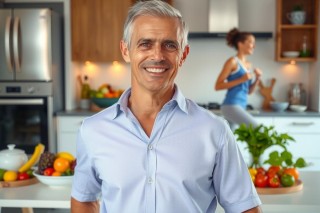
(279, 106)
(54, 181)
(290, 54)
(298, 108)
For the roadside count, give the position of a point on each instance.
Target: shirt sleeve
(232, 183)
(86, 186)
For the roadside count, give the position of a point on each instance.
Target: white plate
(290, 54)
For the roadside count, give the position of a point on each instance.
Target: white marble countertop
(42, 196)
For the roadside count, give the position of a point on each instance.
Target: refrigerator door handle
(16, 44)
(7, 37)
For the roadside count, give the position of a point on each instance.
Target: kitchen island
(42, 196)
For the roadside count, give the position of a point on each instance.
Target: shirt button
(150, 147)
(150, 180)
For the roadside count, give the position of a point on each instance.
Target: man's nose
(158, 53)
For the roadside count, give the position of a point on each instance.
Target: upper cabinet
(96, 29)
(297, 29)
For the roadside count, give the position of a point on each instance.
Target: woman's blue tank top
(237, 95)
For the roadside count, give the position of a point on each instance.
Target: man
(155, 150)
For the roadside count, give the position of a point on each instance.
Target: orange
(10, 175)
(56, 173)
(61, 164)
(292, 171)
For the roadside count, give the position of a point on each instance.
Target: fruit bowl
(104, 102)
(54, 181)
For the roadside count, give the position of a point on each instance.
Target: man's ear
(184, 55)
(124, 51)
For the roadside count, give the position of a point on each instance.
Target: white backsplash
(198, 74)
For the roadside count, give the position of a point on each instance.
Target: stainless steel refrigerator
(25, 45)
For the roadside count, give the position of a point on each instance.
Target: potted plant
(297, 15)
(263, 137)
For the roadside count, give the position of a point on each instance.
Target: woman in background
(237, 77)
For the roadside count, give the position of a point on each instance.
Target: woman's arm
(84, 207)
(258, 74)
(228, 67)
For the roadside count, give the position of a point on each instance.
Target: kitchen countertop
(258, 113)
(42, 196)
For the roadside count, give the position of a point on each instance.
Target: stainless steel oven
(26, 115)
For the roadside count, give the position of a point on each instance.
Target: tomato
(23, 176)
(292, 171)
(274, 181)
(261, 180)
(274, 169)
(287, 180)
(48, 171)
(61, 164)
(261, 170)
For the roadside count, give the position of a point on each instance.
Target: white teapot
(12, 159)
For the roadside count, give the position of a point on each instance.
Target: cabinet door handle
(302, 123)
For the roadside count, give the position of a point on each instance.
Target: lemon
(10, 176)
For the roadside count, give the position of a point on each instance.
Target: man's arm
(84, 207)
(256, 209)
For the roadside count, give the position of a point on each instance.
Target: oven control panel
(26, 89)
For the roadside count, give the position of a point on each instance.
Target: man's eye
(171, 46)
(145, 45)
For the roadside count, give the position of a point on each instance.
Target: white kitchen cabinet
(67, 129)
(306, 132)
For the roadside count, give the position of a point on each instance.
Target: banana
(38, 150)
(66, 155)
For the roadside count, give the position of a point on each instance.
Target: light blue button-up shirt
(189, 162)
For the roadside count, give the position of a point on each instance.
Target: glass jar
(294, 94)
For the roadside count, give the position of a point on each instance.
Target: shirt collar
(177, 99)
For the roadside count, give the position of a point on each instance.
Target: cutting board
(18, 183)
(298, 186)
(266, 92)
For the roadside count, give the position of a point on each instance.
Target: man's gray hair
(156, 8)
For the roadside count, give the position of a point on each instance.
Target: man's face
(155, 53)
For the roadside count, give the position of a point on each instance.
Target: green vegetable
(2, 171)
(263, 137)
(287, 180)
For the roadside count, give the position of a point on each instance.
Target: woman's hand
(258, 73)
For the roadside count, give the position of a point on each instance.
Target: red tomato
(274, 169)
(48, 171)
(23, 176)
(261, 180)
(274, 181)
(261, 170)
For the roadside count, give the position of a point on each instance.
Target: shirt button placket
(151, 187)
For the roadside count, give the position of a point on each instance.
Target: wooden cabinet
(67, 129)
(290, 36)
(96, 29)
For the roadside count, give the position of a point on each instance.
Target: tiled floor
(17, 210)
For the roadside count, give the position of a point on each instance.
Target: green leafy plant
(260, 138)
(297, 7)
(285, 159)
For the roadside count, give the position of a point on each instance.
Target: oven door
(24, 122)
